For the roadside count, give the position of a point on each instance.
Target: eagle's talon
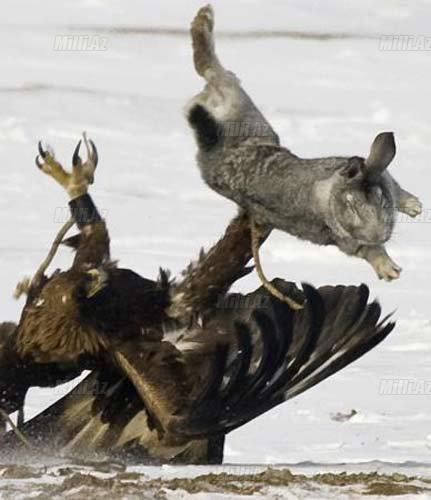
(76, 159)
(39, 164)
(94, 154)
(75, 183)
(42, 152)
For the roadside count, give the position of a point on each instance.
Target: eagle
(175, 364)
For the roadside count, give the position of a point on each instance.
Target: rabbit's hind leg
(201, 30)
(222, 93)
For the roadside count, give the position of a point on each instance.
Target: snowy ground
(324, 96)
(304, 481)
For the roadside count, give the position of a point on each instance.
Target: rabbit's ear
(381, 154)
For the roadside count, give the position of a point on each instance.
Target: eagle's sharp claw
(76, 159)
(42, 152)
(95, 154)
(38, 162)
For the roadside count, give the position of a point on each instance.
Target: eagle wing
(278, 353)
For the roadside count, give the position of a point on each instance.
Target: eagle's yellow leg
(54, 169)
(76, 182)
(267, 284)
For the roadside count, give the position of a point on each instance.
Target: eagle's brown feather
(52, 328)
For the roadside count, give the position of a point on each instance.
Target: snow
(323, 97)
(301, 481)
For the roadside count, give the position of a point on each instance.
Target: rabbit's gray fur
(349, 202)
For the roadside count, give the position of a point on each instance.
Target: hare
(350, 202)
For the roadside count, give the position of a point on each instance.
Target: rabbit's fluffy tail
(204, 124)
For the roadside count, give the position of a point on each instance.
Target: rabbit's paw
(411, 206)
(386, 268)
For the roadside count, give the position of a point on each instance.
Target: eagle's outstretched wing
(278, 354)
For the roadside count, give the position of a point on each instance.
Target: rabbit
(350, 202)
